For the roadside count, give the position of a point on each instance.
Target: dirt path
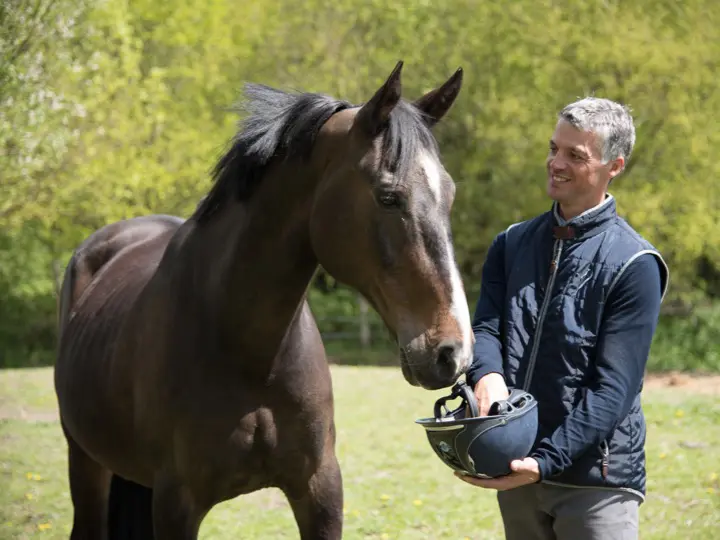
(701, 384)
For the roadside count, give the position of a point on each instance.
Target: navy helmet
(482, 446)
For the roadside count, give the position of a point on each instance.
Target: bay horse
(190, 369)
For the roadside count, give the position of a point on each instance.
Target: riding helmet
(482, 446)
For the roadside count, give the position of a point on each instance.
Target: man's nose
(556, 163)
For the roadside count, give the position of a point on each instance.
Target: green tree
(109, 110)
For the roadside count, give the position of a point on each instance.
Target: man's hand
(524, 471)
(489, 389)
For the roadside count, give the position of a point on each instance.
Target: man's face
(577, 178)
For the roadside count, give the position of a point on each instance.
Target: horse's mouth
(406, 371)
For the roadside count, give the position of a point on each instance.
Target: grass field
(394, 486)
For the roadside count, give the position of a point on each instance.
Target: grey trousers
(549, 512)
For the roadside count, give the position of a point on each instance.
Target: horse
(190, 369)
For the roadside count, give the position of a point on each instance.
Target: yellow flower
(417, 502)
(384, 497)
(384, 536)
(711, 490)
(663, 455)
(44, 526)
(37, 477)
(356, 513)
(679, 413)
(29, 496)
(29, 475)
(713, 476)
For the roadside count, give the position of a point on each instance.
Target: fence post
(364, 323)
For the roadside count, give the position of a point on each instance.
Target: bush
(688, 342)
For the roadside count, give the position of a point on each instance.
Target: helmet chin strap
(516, 400)
(500, 407)
(459, 390)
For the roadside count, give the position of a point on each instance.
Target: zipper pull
(605, 460)
(555, 256)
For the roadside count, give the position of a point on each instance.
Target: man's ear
(616, 167)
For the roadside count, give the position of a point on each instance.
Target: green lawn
(394, 485)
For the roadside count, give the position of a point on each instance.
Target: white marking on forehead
(431, 167)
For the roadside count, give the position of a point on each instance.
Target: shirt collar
(589, 223)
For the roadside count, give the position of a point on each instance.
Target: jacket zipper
(557, 251)
(605, 459)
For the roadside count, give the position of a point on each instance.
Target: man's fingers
(483, 408)
(481, 482)
(524, 466)
(500, 484)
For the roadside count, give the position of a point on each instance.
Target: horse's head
(381, 224)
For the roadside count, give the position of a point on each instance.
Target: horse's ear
(375, 114)
(437, 102)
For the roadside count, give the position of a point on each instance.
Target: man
(567, 311)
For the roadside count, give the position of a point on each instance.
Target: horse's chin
(407, 372)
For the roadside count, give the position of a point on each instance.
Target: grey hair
(609, 120)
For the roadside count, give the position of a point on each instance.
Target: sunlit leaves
(114, 109)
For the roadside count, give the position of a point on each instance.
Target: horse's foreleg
(176, 512)
(89, 489)
(319, 509)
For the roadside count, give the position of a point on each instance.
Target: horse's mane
(284, 125)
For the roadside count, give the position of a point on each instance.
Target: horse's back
(104, 246)
(105, 275)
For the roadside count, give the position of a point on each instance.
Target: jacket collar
(589, 223)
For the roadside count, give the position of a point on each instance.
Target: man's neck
(568, 212)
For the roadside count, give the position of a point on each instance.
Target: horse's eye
(390, 200)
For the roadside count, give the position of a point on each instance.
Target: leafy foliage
(114, 109)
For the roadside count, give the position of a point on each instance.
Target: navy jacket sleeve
(623, 345)
(487, 351)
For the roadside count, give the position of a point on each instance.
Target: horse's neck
(261, 279)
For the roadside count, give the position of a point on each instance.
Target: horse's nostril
(445, 355)
(446, 363)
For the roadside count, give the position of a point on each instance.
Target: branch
(25, 45)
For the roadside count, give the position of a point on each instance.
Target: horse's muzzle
(434, 367)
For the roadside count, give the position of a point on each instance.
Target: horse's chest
(259, 450)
